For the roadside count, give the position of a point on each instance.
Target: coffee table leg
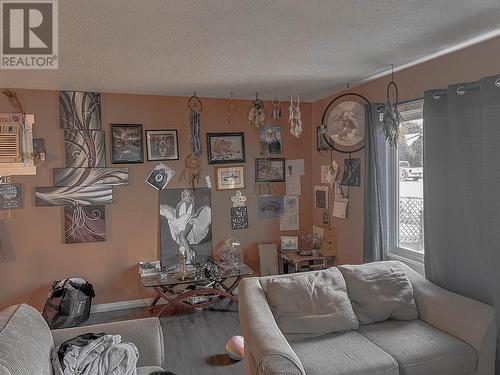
(154, 301)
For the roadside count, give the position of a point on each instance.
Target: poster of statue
(185, 220)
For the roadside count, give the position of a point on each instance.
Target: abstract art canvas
(84, 224)
(80, 110)
(68, 195)
(84, 148)
(185, 220)
(90, 176)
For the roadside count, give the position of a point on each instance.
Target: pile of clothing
(95, 354)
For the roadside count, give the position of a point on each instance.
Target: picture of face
(162, 144)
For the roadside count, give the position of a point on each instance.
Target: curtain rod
(461, 90)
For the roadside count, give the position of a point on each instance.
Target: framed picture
(229, 178)
(270, 170)
(345, 125)
(269, 207)
(289, 242)
(160, 176)
(226, 148)
(271, 143)
(352, 172)
(321, 196)
(185, 220)
(321, 144)
(162, 145)
(127, 145)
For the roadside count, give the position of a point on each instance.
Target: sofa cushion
(25, 342)
(421, 349)
(345, 353)
(380, 291)
(311, 304)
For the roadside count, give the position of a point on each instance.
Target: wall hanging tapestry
(185, 221)
(256, 115)
(195, 107)
(343, 123)
(295, 116)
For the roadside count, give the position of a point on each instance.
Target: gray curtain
(375, 212)
(462, 189)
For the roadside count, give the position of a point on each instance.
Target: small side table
(299, 261)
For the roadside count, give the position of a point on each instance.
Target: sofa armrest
(463, 317)
(263, 339)
(145, 333)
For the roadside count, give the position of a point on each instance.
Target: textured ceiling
(175, 47)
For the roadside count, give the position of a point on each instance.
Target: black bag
(69, 303)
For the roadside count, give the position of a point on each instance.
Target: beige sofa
(454, 335)
(26, 341)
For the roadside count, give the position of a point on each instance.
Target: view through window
(410, 200)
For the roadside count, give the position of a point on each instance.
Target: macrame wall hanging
(295, 116)
(192, 170)
(276, 110)
(195, 108)
(392, 118)
(256, 115)
(231, 110)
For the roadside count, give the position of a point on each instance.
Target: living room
(232, 187)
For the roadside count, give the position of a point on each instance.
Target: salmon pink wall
(32, 249)
(465, 65)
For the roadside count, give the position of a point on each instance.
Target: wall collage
(85, 184)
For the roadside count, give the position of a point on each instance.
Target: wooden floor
(194, 341)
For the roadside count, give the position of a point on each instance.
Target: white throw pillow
(379, 291)
(311, 304)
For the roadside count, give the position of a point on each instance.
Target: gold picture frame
(228, 178)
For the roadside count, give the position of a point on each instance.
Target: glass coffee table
(199, 288)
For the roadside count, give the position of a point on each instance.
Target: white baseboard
(122, 305)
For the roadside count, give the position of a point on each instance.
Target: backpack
(69, 303)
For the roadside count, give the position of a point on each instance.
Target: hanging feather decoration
(231, 110)
(295, 117)
(276, 112)
(391, 118)
(256, 115)
(195, 108)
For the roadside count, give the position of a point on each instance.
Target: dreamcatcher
(276, 109)
(195, 108)
(391, 118)
(231, 110)
(256, 115)
(192, 170)
(295, 116)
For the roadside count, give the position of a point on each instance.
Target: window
(406, 187)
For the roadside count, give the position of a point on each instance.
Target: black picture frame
(215, 160)
(135, 157)
(259, 161)
(160, 132)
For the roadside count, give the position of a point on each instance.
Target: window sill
(412, 259)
